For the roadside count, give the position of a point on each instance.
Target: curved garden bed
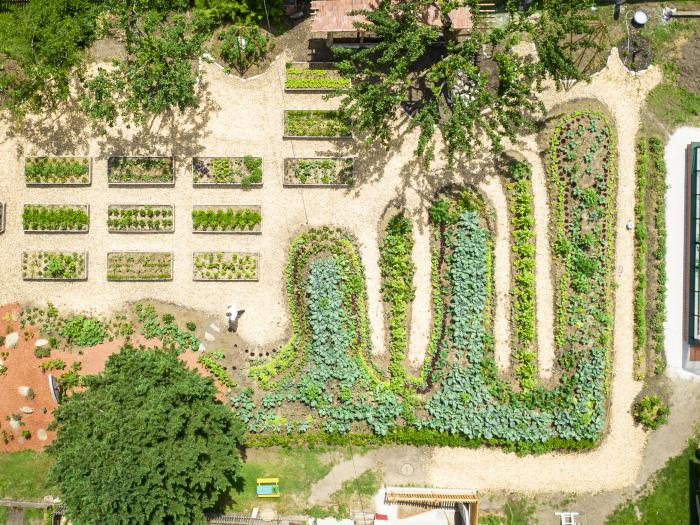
(318, 172)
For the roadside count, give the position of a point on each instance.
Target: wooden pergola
(464, 501)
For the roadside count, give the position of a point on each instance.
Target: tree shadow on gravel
(68, 131)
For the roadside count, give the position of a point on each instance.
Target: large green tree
(475, 88)
(159, 72)
(145, 442)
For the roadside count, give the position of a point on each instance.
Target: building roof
(333, 15)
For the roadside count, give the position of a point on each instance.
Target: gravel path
(492, 187)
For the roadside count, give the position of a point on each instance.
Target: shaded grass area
(298, 470)
(23, 475)
(354, 494)
(518, 511)
(666, 498)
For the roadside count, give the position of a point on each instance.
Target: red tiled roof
(332, 15)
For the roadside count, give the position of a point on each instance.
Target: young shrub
(244, 46)
(651, 412)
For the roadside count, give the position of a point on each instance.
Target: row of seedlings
(319, 172)
(245, 172)
(139, 266)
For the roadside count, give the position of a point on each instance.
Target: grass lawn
(23, 475)
(664, 499)
(354, 494)
(298, 470)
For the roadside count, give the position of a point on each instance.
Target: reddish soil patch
(23, 369)
(689, 66)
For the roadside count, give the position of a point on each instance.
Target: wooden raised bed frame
(168, 184)
(254, 185)
(329, 66)
(310, 137)
(221, 280)
(111, 229)
(136, 279)
(57, 279)
(288, 160)
(58, 184)
(256, 231)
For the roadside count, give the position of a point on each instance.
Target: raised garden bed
(225, 266)
(54, 266)
(141, 171)
(127, 218)
(139, 266)
(318, 172)
(242, 172)
(57, 171)
(313, 76)
(316, 124)
(227, 219)
(54, 218)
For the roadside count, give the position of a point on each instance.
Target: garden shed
(332, 19)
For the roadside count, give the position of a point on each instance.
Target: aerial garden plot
(257, 241)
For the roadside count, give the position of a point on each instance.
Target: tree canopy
(145, 442)
(477, 87)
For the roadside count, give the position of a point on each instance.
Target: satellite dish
(640, 18)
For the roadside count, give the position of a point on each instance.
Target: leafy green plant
(243, 171)
(139, 266)
(225, 266)
(135, 218)
(57, 170)
(226, 219)
(140, 170)
(53, 265)
(332, 171)
(520, 201)
(168, 332)
(651, 412)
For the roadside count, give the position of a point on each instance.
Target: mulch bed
(23, 370)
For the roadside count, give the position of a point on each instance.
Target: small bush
(651, 412)
(244, 46)
(191, 326)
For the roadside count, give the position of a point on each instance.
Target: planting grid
(257, 128)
